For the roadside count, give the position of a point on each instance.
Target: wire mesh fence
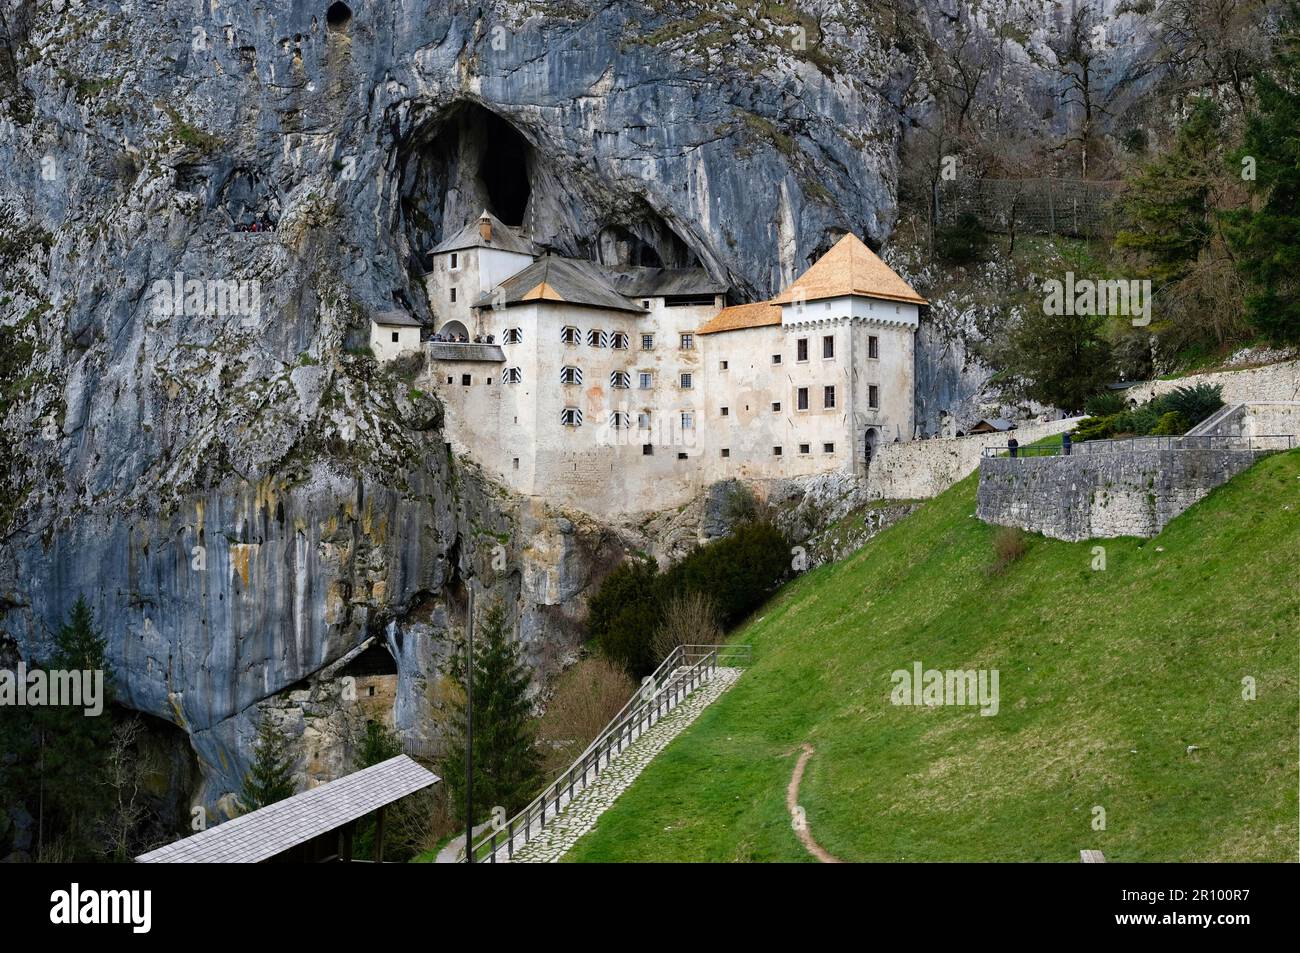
(1046, 206)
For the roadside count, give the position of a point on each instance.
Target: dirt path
(797, 816)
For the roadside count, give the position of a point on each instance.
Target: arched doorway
(869, 445)
(454, 331)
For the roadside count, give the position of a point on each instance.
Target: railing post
(510, 839)
(492, 848)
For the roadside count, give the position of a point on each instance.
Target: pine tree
(1266, 236)
(270, 779)
(377, 745)
(507, 765)
(71, 746)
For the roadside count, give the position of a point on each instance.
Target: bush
(586, 698)
(1170, 425)
(1106, 404)
(1193, 404)
(964, 242)
(737, 573)
(1009, 544)
(689, 618)
(1096, 428)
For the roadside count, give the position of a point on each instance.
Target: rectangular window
(643, 421)
(688, 342)
(645, 303)
(722, 365)
(802, 399)
(455, 261)
(726, 411)
(828, 396)
(801, 353)
(726, 452)
(688, 420)
(681, 455)
(828, 346)
(873, 346)
(776, 358)
(805, 448)
(685, 381)
(516, 465)
(776, 451)
(395, 338)
(619, 341)
(571, 417)
(514, 336)
(645, 380)
(453, 295)
(776, 406)
(647, 342)
(570, 336)
(828, 448)
(647, 450)
(873, 396)
(464, 380)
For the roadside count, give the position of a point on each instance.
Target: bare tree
(122, 824)
(1209, 44)
(690, 617)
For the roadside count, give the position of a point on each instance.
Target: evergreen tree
(1063, 359)
(623, 614)
(271, 777)
(1169, 207)
(377, 745)
(507, 764)
(71, 747)
(1266, 236)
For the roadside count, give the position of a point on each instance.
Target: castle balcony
(455, 351)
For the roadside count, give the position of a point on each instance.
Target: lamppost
(469, 729)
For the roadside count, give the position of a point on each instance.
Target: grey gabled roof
(642, 282)
(272, 830)
(562, 280)
(503, 237)
(395, 319)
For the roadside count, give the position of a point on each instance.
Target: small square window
(647, 342)
(722, 365)
(688, 342)
(805, 448)
(726, 411)
(681, 455)
(685, 381)
(645, 303)
(776, 451)
(465, 380)
(726, 452)
(776, 406)
(776, 358)
(647, 450)
(645, 380)
(489, 380)
(828, 448)
(448, 380)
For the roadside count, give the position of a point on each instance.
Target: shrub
(1009, 544)
(624, 613)
(689, 618)
(1095, 428)
(1170, 424)
(1193, 404)
(586, 697)
(1105, 404)
(963, 242)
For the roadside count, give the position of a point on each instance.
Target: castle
(621, 390)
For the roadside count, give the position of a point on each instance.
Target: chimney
(485, 227)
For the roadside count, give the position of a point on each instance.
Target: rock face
(241, 495)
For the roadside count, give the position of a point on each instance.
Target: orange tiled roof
(757, 315)
(850, 268)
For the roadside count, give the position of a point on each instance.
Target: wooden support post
(379, 835)
(346, 834)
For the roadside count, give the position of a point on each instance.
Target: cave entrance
(338, 16)
(467, 160)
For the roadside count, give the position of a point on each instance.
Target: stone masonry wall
(1101, 495)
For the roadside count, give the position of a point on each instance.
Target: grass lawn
(1106, 679)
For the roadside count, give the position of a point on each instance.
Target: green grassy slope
(1106, 679)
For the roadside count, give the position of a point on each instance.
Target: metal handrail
(640, 713)
(1138, 444)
